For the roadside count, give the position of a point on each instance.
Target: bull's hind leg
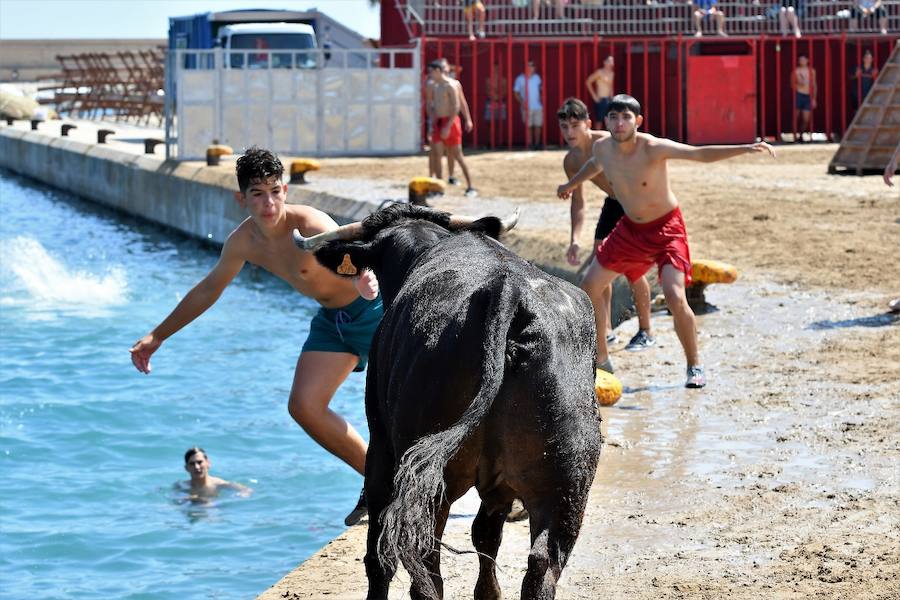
(379, 478)
(432, 562)
(487, 533)
(554, 529)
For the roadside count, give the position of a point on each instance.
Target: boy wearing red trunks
(447, 130)
(652, 230)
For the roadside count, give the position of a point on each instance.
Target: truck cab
(268, 45)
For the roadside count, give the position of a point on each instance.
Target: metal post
(762, 88)
(493, 100)
(628, 89)
(646, 95)
(662, 86)
(509, 97)
(544, 91)
(680, 92)
(474, 107)
(843, 83)
(778, 61)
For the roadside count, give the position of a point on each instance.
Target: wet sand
(780, 479)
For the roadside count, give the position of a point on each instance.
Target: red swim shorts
(455, 136)
(632, 248)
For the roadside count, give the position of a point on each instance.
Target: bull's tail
(409, 520)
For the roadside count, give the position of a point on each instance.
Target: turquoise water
(90, 448)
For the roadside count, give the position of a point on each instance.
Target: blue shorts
(348, 329)
(803, 102)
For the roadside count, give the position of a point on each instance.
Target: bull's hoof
(607, 387)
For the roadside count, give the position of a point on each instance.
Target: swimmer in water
(203, 486)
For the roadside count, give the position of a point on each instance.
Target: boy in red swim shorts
(446, 129)
(652, 230)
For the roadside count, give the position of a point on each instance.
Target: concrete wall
(188, 197)
(26, 60)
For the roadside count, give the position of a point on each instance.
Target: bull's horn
(349, 232)
(509, 222)
(459, 222)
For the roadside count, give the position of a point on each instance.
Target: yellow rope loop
(219, 150)
(607, 387)
(713, 271)
(302, 165)
(425, 185)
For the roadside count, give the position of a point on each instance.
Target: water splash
(31, 277)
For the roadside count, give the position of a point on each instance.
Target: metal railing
(306, 102)
(446, 18)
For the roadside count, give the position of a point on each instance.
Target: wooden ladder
(874, 133)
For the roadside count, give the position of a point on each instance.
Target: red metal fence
(653, 70)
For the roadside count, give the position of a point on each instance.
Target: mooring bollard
(300, 167)
(66, 128)
(102, 134)
(422, 187)
(150, 145)
(35, 123)
(215, 152)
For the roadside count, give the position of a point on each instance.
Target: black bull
(481, 373)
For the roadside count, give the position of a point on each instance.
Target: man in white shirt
(527, 89)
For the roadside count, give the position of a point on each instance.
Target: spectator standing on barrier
(708, 8)
(536, 8)
(600, 85)
(862, 78)
(472, 9)
(495, 104)
(788, 18)
(447, 129)
(527, 89)
(803, 82)
(869, 8)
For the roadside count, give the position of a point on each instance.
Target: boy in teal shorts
(340, 333)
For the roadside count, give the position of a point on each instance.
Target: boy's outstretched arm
(576, 213)
(588, 170)
(201, 297)
(669, 149)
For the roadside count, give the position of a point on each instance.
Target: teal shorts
(348, 329)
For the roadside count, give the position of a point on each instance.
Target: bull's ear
(490, 226)
(345, 258)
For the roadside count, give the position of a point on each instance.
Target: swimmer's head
(258, 165)
(574, 120)
(609, 61)
(196, 462)
(802, 61)
(623, 117)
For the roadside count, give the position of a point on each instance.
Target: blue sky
(52, 19)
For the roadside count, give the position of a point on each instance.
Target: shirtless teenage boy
(803, 82)
(575, 126)
(600, 87)
(446, 128)
(652, 230)
(341, 331)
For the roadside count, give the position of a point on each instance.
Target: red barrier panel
(654, 70)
